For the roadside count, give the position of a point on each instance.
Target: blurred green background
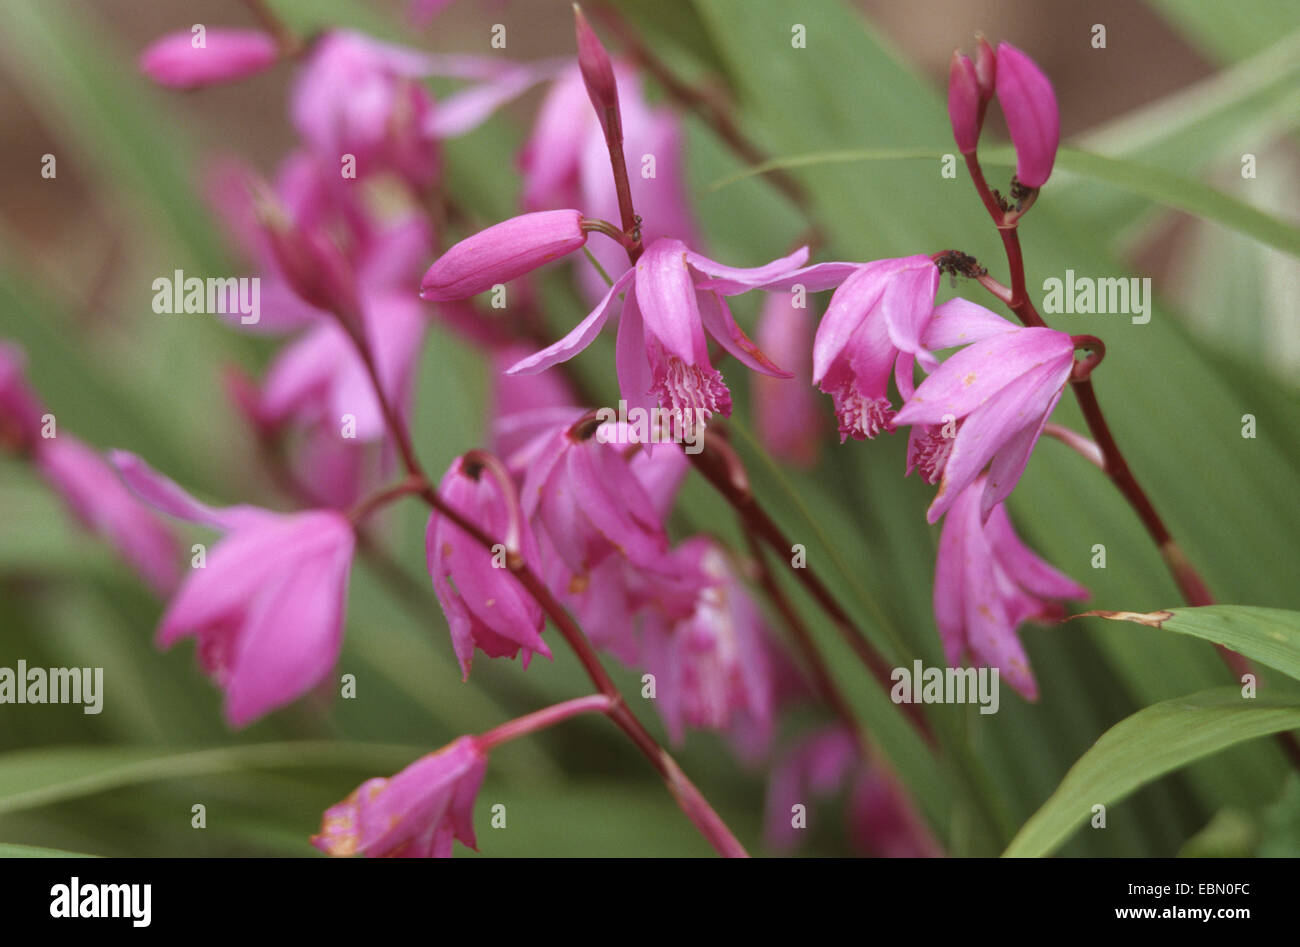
(1184, 87)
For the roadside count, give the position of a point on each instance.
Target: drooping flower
(335, 248)
(361, 97)
(187, 60)
(883, 821)
(787, 416)
(599, 516)
(666, 319)
(986, 582)
(83, 478)
(872, 329)
(267, 606)
(485, 605)
(1033, 119)
(986, 405)
(414, 814)
(715, 669)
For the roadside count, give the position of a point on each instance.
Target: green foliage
(1186, 766)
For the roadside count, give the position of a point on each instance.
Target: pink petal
(908, 300)
(1021, 404)
(665, 294)
(578, 338)
(737, 279)
(463, 111)
(961, 322)
(978, 372)
(718, 322)
(295, 630)
(1024, 567)
(635, 379)
(164, 494)
(849, 306)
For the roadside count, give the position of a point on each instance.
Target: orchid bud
(598, 76)
(312, 264)
(1033, 120)
(964, 104)
(174, 60)
(986, 65)
(503, 252)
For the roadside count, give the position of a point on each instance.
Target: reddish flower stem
(689, 798)
(712, 112)
(287, 39)
(720, 466)
(823, 681)
(1081, 445)
(541, 719)
(1190, 584)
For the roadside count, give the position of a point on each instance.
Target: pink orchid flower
(600, 520)
(883, 821)
(417, 813)
(788, 418)
(484, 603)
(872, 329)
(318, 384)
(987, 403)
(84, 479)
(362, 97)
(669, 311)
(176, 61)
(986, 582)
(715, 670)
(267, 607)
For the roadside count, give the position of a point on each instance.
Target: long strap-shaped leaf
(1156, 184)
(1143, 747)
(31, 778)
(1268, 635)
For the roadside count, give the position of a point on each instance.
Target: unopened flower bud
(1033, 119)
(502, 252)
(175, 61)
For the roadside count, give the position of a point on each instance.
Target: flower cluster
(570, 517)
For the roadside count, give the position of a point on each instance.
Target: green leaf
(1268, 635)
(8, 850)
(33, 778)
(1143, 747)
(1156, 184)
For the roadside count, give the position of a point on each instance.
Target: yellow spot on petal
(969, 380)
